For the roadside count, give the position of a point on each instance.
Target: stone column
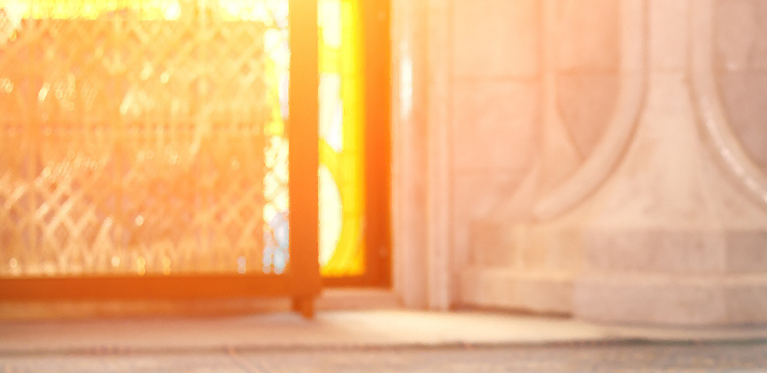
(644, 195)
(590, 74)
(421, 166)
(678, 235)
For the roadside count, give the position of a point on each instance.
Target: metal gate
(158, 149)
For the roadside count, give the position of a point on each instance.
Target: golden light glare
(172, 11)
(140, 266)
(342, 119)
(6, 85)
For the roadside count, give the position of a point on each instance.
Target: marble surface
(585, 101)
(669, 236)
(339, 329)
(580, 144)
(741, 58)
(632, 357)
(534, 87)
(496, 38)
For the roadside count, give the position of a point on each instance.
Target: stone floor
(620, 357)
(386, 328)
(381, 341)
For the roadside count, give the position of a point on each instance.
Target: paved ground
(373, 341)
(624, 357)
(333, 329)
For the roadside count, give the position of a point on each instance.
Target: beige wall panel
(496, 37)
(495, 125)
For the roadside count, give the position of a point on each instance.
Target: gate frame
(301, 281)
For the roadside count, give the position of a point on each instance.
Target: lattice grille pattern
(133, 143)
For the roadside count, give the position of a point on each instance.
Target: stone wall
(605, 158)
(551, 145)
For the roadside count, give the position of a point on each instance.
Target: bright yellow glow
(341, 147)
(141, 266)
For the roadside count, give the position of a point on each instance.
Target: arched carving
(605, 146)
(714, 119)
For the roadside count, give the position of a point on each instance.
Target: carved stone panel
(740, 53)
(588, 63)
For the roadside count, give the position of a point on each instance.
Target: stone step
(671, 299)
(680, 250)
(549, 292)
